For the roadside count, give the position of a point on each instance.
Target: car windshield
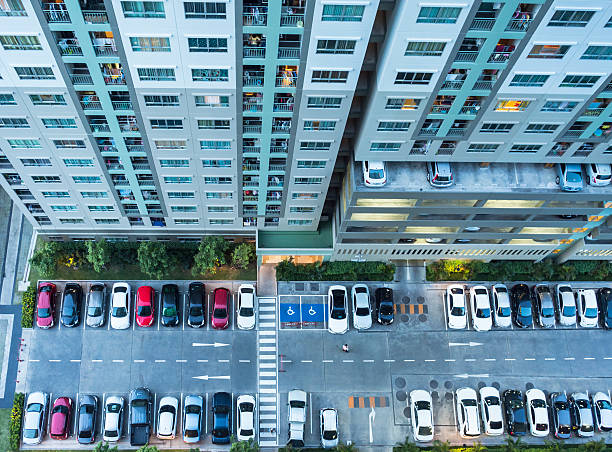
(548, 312)
(93, 311)
(573, 177)
(376, 173)
(586, 428)
(248, 432)
(468, 402)
(111, 433)
(424, 431)
(338, 313)
(569, 311)
(192, 409)
(246, 406)
(139, 403)
(191, 433)
(457, 310)
(483, 313)
(538, 403)
(561, 406)
(496, 425)
(565, 429)
(604, 405)
(144, 311)
(525, 311)
(591, 313)
(330, 434)
(85, 434)
(169, 312)
(220, 313)
(422, 405)
(480, 291)
(581, 403)
(503, 312)
(119, 312)
(362, 311)
(492, 401)
(30, 433)
(113, 408)
(501, 290)
(456, 290)
(220, 432)
(297, 404)
(60, 409)
(44, 312)
(195, 311)
(541, 427)
(246, 312)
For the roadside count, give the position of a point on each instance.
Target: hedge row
(335, 271)
(15, 421)
(28, 303)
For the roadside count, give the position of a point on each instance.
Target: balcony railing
(440, 109)
(135, 147)
(6, 165)
(250, 184)
(593, 112)
(278, 149)
(456, 132)
(573, 133)
(482, 24)
(106, 148)
(114, 166)
(499, 57)
(518, 25)
(131, 210)
(70, 50)
(141, 166)
(252, 149)
(114, 79)
(452, 84)
(249, 198)
(486, 85)
(121, 182)
(283, 107)
(146, 182)
(429, 131)
(91, 105)
(271, 223)
(277, 167)
(105, 50)
(122, 105)
(81, 79)
(127, 127)
(252, 81)
(250, 166)
(26, 197)
(255, 16)
(289, 52)
(252, 107)
(469, 57)
(95, 17)
(136, 222)
(251, 129)
(473, 110)
(292, 20)
(56, 16)
(275, 184)
(277, 128)
(254, 52)
(100, 127)
(286, 81)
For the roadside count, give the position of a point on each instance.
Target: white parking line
(530, 359)
(305, 361)
(444, 310)
(202, 361)
(55, 360)
(160, 360)
(388, 360)
(509, 359)
(431, 360)
(368, 360)
(328, 361)
(450, 360)
(75, 360)
(569, 359)
(549, 359)
(224, 360)
(490, 359)
(117, 360)
(185, 310)
(409, 360)
(34, 360)
(348, 361)
(97, 360)
(139, 360)
(244, 360)
(588, 359)
(206, 409)
(181, 360)
(469, 359)
(608, 357)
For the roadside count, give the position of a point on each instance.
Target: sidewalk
(11, 257)
(266, 281)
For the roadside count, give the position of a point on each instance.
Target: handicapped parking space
(303, 311)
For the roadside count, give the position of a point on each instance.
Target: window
(550, 51)
(569, 18)
(78, 162)
(166, 123)
(20, 43)
(493, 127)
(482, 147)
(329, 76)
(315, 145)
(170, 145)
(204, 10)
(597, 53)
(174, 163)
(7, 99)
(385, 147)
(210, 75)
(342, 13)
(400, 103)
(207, 145)
(186, 221)
(579, 81)
(35, 73)
(301, 209)
(209, 45)
(161, 101)
(311, 163)
(308, 180)
(525, 148)
(87, 179)
(12, 8)
(177, 179)
(14, 123)
(100, 208)
(512, 105)
(541, 128)
(324, 102)
(35, 162)
(59, 123)
(319, 125)
(217, 163)
(558, 106)
(529, 80)
(304, 195)
(69, 144)
(219, 195)
(393, 126)
(71, 221)
(153, 44)
(47, 99)
(299, 222)
(141, 9)
(55, 194)
(63, 208)
(181, 194)
(94, 194)
(220, 221)
(438, 15)
(24, 144)
(148, 74)
(213, 124)
(213, 101)
(181, 209)
(224, 180)
(46, 179)
(413, 78)
(608, 25)
(106, 220)
(220, 209)
(422, 48)
(336, 46)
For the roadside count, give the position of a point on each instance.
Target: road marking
(75, 360)
(490, 359)
(608, 357)
(55, 360)
(509, 359)
(569, 359)
(431, 360)
(469, 359)
(139, 360)
(389, 360)
(181, 360)
(244, 360)
(223, 360)
(160, 360)
(589, 358)
(34, 360)
(117, 360)
(368, 360)
(267, 349)
(286, 361)
(530, 359)
(450, 360)
(328, 361)
(97, 360)
(549, 359)
(348, 361)
(409, 360)
(267, 365)
(267, 340)
(202, 360)
(267, 374)
(306, 361)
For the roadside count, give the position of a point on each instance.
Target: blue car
(562, 422)
(221, 408)
(522, 306)
(605, 306)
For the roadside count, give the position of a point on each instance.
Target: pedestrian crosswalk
(267, 372)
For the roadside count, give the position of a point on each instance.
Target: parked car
(602, 410)
(605, 306)
(96, 305)
(222, 425)
(598, 174)
(192, 418)
(113, 419)
(220, 312)
(384, 305)
(362, 310)
(329, 427)
(421, 415)
(45, 306)
(296, 402)
(467, 412)
(145, 306)
(170, 305)
(581, 414)
(544, 305)
(537, 412)
(120, 306)
(566, 305)
(586, 302)
(374, 173)
(455, 306)
(502, 312)
(140, 416)
(71, 305)
(521, 306)
(245, 424)
(337, 304)
(480, 308)
(197, 306)
(491, 411)
(562, 423)
(87, 412)
(35, 418)
(167, 414)
(246, 307)
(569, 176)
(439, 174)
(514, 412)
(61, 413)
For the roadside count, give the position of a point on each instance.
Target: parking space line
(157, 309)
(389, 360)
(244, 360)
(444, 310)
(34, 360)
(368, 361)
(75, 360)
(530, 359)
(608, 357)
(202, 360)
(569, 359)
(181, 360)
(224, 360)
(97, 360)
(490, 359)
(154, 411)
(160, 360)
(450, 360)
(232, 311)
(509, 359)
(328, 361)
(348, 361)
(76, 418)
(431, 360)
(139, 360)
(409, 360)
(184, 309)
(267, 365)
(117, 360)
(306, 361)
(469, 359)
(55, 360)
(588, 358)
(549, 359)
(206, 415)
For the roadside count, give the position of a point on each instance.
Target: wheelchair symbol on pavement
(312, 311)
(290, 311)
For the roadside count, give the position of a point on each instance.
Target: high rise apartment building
(136, 119)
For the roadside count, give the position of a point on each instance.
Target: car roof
(329, 418)
(221, 398)
(221, 295)
(573, 167)
(144, 293)
(297, 394)
(247, 300)
(376, 164)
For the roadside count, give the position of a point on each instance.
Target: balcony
(249, 80)
(519, 24)
(130, 210)
(289, 52)
(251, 129)
(482, 24)
(97, 128)
(469, 110)
(121, 182)
(135, 221)
(95, 17)
(55, 13)
(254, 16)
(452, 84)
(499, 57)
(114, 79)
(251, 149)
(141, 166)
(292, 17)
(281, 128)
(440, 109)
(458, 132)
(250, 198)
(278, 149)
(272, 167)
(468, 57)
(250, 183)
(81, 79)
(593, 112)
(483, 85)
(429, 131)
(146, 183)
(254, 52)
(69, 47)
(105, 50)
(114, 165)
(251, 166)
(91, 104)
(134, 147)
(286, 82)
(573, 133)
(122, 105)
(252, 107)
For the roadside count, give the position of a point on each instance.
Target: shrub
(15, 421)
(154, 259)
(28, 304)
(210, 255)
(243, 255)
(98, 254)
(44, 259)
(335, 271)
(124, 253)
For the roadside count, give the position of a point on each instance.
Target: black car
(521, 306)
(169, 305)
(605, 306)
(71, 305)
(196, 317)
(221, 408)
(514, 411)
(384, 305)
(86, 414)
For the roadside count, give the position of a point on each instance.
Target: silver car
(566, 305)
(569, 176)
(329, 428)
(34, 420)
(192, 418)
(546, 308)
(112, 424)
(96, 305)
(501, 306)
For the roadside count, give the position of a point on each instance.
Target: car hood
(362, 321)
(246, 322)
(338, 326)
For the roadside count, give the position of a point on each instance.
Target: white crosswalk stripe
(267, 372)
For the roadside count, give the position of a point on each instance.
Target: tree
(44, 259)
(210, 255)
(148, 448)
(406, 446)
(243, 255)
(594, 446)
(154, 259)
(105, 447)
(512, 445)
(245, 446)
(439, 446)
(98, 254)
(477, 447)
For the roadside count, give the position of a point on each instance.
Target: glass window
(541, 128)
(311, 163)
(183, 208)
(181, 194)
(597, 53)
(59, 123)
(319, 125)
(78, 162)
(209, 45)
(342, 13)
(336, 46)
(25, 144)
(214, 124)
(393, 126)
(512, 105)
(46, 179)
(161, 101)
(438, 15)
(12, 8)
(493, 127)
(211, 101)
(413, 78)
(35, 162)
(329, 76)
(579, 81)
(146, 74)
(217, 180)
(170, 145)
(529, 80)
(205, 10)
(14, 123)
(35, 73)
(525, 148)
(380, 147)
(94, 194)
(569, 18)
(220, 209)
(304, 195)
(217, 163)
(106, 220)
(549, 51)
(301, 209)
(207, 145)
(55, 194)
(174, 163)
(558, 106)
(7, 99)
(423, 48)
(315, 145)
(20, 42)
(483, 147)
(299, 222)
(394, 103)
(324, 102)
(177, 179)
(166, 123)
(186, 221)
(148, 9)
(87, 179)
(210, 75)
(153, 44)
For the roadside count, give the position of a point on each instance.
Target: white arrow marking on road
(473, 376)
(464, 344)
(215, 344)
(371, 418)
(213, 377)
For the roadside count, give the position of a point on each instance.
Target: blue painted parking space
(303, 311)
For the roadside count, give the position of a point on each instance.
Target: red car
(45, 312)
(60, 418)
(145, 305)
(220, 313)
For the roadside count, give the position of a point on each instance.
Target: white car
(374, 174)
(467, 412)
(362, 309)
(566, 304)
(35, 417)
(502, 313)
(245, 422)
(537, 412)
(598, 174)
(297, 407)
(481, 308)
(329, 427)
(167, 414)
(113, 419)
(337, 305)
(246, 307)
(120, 306)
(602, 410)
(586, 304)
(455, 306)
(421, 415)
(491, 411)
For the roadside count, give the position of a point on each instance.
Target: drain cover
(404, 318)
(407, 412)
(422, 318)
(406, 300)
(400, 395)
(496, 385)
(448, 384)
(529, 386)
(448, 396)
(420, 299)
(400, 382)
(481, 384)
(433, 384)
